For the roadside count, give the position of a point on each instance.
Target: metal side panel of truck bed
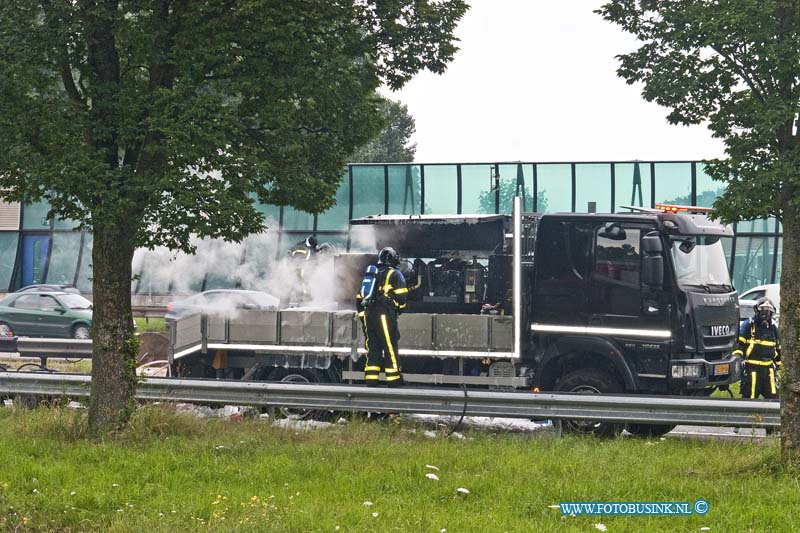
(295, 331)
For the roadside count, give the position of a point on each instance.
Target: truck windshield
(700, 263)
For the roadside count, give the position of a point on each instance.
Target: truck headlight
(687, 371)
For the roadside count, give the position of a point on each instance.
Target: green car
(45, 314)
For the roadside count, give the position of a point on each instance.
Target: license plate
(722, 369)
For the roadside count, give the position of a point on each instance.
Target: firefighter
(381, 299)
(300, 254)
(760, 346)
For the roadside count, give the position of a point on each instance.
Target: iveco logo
(720, 331)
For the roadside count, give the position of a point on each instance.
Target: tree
(736, 65)
(393, 144)
(507, 192)
(149, 121)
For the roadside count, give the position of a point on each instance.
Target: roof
(427, 219)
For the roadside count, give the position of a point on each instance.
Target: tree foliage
(149, 121)
(735, 65)
(127, 106)
(393, 144)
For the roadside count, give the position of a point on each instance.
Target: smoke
(261, 262)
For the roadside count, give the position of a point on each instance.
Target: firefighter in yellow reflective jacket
(381, 299)
(760, 346)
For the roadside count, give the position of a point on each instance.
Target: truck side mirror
(652, 261)
(653, 271)
(651, 244)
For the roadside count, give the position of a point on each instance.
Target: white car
(749, 298)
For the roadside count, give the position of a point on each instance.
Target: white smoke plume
(261, 263)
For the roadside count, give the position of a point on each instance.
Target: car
(46, 314)
(220, 301)
(748, 299)
(48, 287)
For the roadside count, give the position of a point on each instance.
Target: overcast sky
(535, 80)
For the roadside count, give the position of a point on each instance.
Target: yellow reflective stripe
(386, 285)
(391, 371)
(388, 341)
(762, 343)
(392, 378)
(737, 352)
(366, 336)
(752, 385)
(757, 362)
(749, 350)
(360, 313)
(772, 381)
(742, 339)
(371, 376)
(402, 290)
(372, 369)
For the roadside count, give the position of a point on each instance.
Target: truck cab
(643, 300)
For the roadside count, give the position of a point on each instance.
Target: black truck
(637, 302)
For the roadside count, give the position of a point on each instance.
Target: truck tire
(591, 381)
(649, 430)
(290, 375)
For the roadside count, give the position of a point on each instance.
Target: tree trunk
(790, 332)
(115, 346)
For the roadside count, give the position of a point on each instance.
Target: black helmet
(388, 256)
(311, 242)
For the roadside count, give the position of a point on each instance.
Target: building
(35, 249)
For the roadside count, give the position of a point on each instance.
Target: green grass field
(171, 472)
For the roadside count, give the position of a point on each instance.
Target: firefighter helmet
(311, 243)
(388, 256)
(764, 308)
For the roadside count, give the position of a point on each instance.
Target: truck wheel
(649, 430)
(289, 375)
(591, 381)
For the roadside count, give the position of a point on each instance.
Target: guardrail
(47, 348)
(448, 402)
(149, 311)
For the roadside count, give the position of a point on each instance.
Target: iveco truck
(634, 302)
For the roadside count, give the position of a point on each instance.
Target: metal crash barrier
(47, 348)
(446, 402)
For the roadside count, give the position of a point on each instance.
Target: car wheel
(290, 375)
(591, 381)
(5, 330)
(81, 331)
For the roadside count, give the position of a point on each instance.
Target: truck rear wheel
(290, 375)
(591, 381)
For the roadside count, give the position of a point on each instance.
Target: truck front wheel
(591, 381)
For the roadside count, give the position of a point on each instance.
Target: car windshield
(75, 301)
(700, 263)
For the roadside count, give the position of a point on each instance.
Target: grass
(170, 472)
(150, 324)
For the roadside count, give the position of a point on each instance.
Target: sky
(535, 80)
